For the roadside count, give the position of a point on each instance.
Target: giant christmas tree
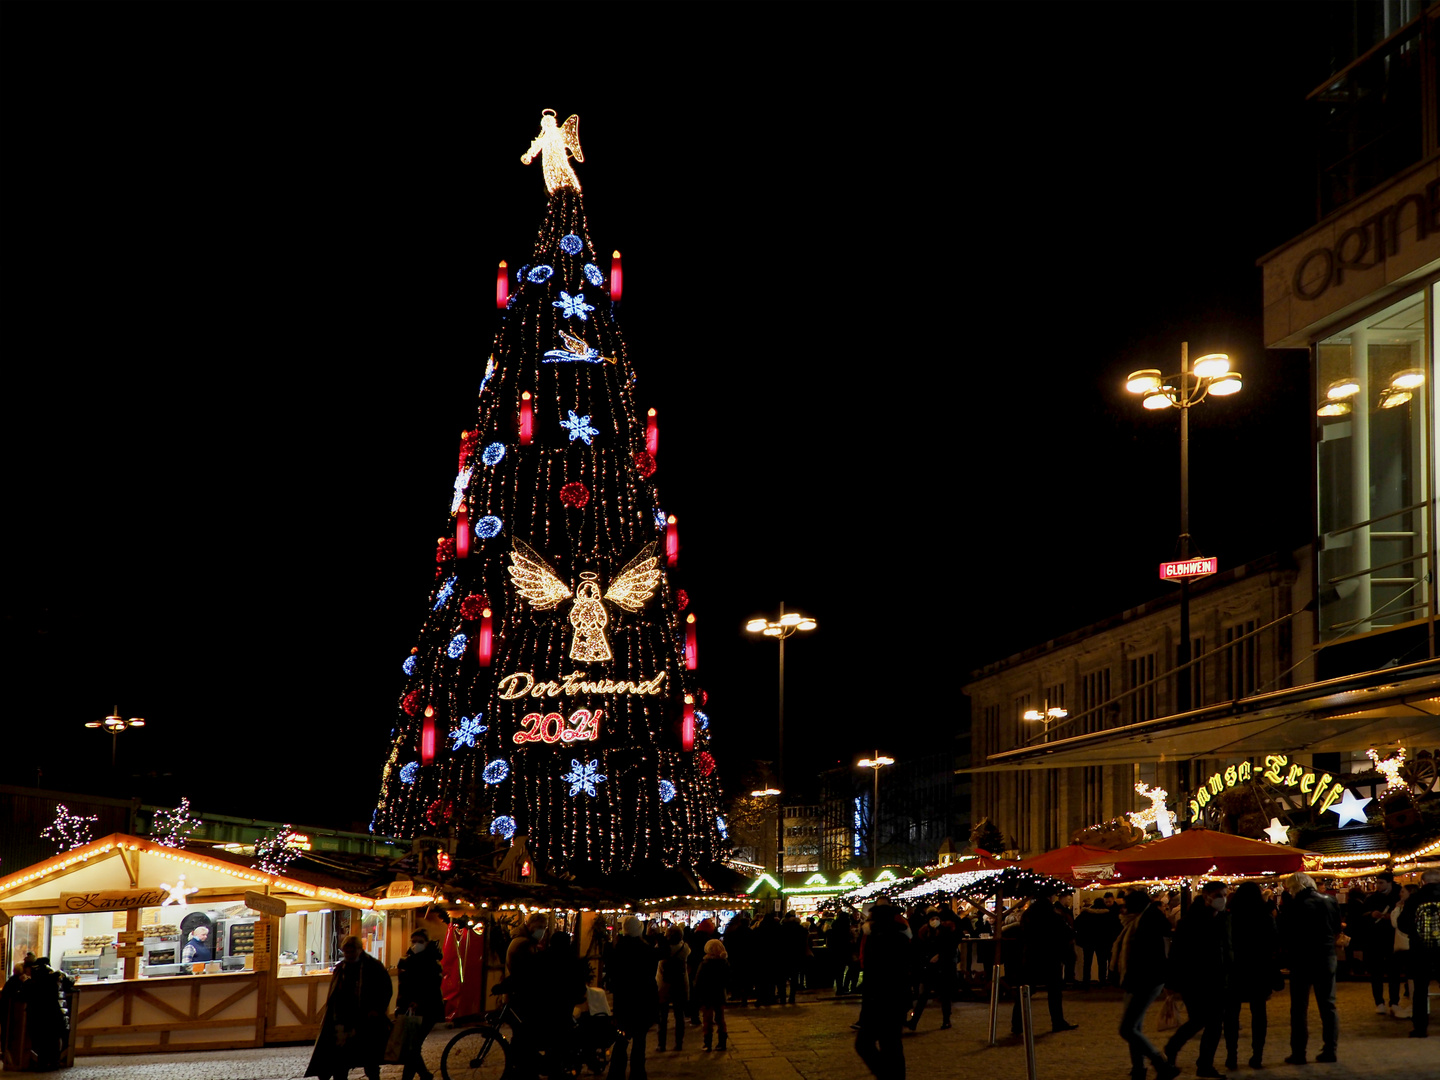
(548, 693)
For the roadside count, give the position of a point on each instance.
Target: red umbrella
(1195, 853)
(1061, 862)
(971, 863)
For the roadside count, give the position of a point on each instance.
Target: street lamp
(877, 763)
(1210, 374)
(788, 624)
(115, 724)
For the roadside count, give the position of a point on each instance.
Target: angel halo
(632, 587)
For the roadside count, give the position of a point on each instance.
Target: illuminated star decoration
(579, 427)
(582, 777)
(573, 306)
(1350, 809)
(1277, 832)
(1156, 814)
(462, 481)
(465, 734)
(1390, 769)
(177, 892)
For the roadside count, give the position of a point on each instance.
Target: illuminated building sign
(522, 683)
(583, 726)
(1188, 568)
(1320, 789)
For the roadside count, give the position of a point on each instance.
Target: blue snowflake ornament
(446, 591)
(593, 274)
(409, 771)
(488, 527)
(582, 777)
(456, 648)
(465, 734)
(503, 826)
(409, 664)
(571, 244)
(579, 428)
(574, 306)
(496, 771)
(667, 791)
(492, 454)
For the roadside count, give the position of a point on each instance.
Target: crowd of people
(1212, 963)
(37, 991)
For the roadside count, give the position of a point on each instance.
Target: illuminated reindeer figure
(555, 144)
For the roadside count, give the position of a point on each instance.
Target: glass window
(83, 945)
(1375, 380)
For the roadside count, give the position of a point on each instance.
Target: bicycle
(480, 1051)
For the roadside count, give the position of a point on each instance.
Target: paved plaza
(813, 1041)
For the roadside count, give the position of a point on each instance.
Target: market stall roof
(1377, 707)
(120, 863)
(968, 863)
(1196, 853)
(1061, 862)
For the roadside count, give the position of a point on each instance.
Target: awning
(1392, 705)
(1196, 853)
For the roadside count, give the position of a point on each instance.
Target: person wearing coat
(1378, 943)
(354, 1029)
(737, 946)
(935, 950)
(1046, 940)
(1309, 923)
(1139, 963)
(419, 994)
(524, 987)
(703, 933)
(631, 967)
(884, 991)
(1199, 970)
(711, 979)
(1256, 973)
(1419, 921)
(672, 981)
(766, 958)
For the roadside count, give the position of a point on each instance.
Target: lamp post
(1047, 715)
(786, 625)
(877, 763)
(1211, 374)
(115, 724)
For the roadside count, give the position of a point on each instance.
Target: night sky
(886, 269)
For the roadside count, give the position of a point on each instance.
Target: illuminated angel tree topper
(70, 830)
(574, 649)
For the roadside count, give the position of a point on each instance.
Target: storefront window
(372, 932)
(308, 942)
(196, 939)
(27, 935)
(83, 945)
(1375, 385)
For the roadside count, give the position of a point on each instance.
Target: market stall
(174, 949)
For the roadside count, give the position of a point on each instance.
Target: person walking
(766, 946)
(1377, 938)
(1420, 922)
(419, 995)
(1308, 925)
(936, 943)
(1094, 935)
(1257, 971)
(884, 991)
(794, 948)
(1044, 941)
(524, 986)
(710, 982)
(1199, 970)
(837, 949)
(737, 946)
(702, 935)
(353, 1030)
(672, 980)
(632, 982)
(1140, 967)
(1400, 959)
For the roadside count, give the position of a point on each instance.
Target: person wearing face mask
(524, 985)
(1200, 969)
(354, 1029)
(1377, 938)
(419, 994)
(935, 947)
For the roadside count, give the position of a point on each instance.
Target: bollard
(1027, 1024)
(994, 999)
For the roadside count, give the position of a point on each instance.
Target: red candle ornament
(527, 419)
(652, 434)
(427, 736)
(502, 287)
(672, 542)
(617, 279)
(687, 724)
(690, 642)
(485, 640)
(462, 533)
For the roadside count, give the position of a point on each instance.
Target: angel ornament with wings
(632, 587)
(554, 146)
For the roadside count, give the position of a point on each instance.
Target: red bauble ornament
(410, 703)
(575, 494)
(706, 762)
(445, 549)
(472, 606)
(682, 599)
(645, 463)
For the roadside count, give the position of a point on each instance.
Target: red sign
(552, 727)
(1189, 568)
